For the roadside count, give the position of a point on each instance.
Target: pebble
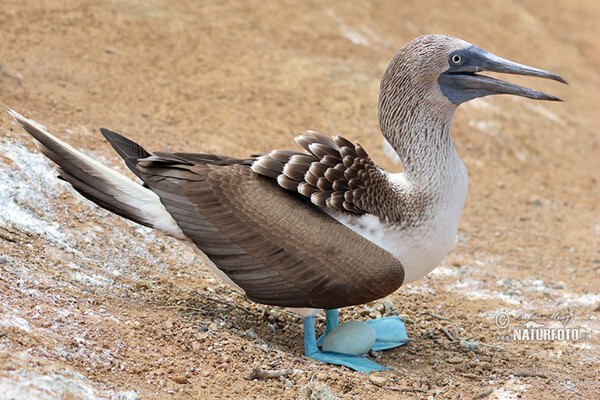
(3, 260)
(182, 380)
(469, 344)
(250, 333)
(390, 308)
(377, 380)
(10, 72)
(455, 360)
(365, 311)
(559, 285)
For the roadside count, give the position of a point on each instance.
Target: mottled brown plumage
(336, 174)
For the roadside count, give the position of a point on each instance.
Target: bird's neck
(422, 140)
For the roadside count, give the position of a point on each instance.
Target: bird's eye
(456, 59)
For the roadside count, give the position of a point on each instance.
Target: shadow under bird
(325, 227)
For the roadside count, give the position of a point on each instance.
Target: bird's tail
(102, 185)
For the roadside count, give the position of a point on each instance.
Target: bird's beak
(461, 82)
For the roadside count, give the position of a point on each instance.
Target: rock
(469, 344)
(352, 337)
(389, 307)
(317, 391)
(377, 380)
(560, 285)
(10, 72)
(182, 380)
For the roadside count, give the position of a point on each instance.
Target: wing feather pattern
(336, 174)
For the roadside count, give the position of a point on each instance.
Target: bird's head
(438, 69)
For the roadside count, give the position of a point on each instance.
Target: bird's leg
(390, 332)
(355, 362)
(331, 321)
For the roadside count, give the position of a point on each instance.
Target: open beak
(461, 82)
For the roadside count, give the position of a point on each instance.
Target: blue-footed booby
(325, 227)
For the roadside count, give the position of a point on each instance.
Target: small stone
(212, 326)
(110, 50)
(389, 307)
(224, 358)
(469, 344)
(535, 202)
(3, 260)
(455, 360)
(168, 324)
(196, 346)
(250, 333)
(322, 376)
(504, 282)
(10, 72)
(597, 308)
(377, 380)
(182, 380)
(560, 285)
(538, 283)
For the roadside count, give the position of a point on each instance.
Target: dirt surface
(95, 307)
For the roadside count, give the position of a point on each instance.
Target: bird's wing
(334, 173)
(274, 244)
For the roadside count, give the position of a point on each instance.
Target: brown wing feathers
(333, 173)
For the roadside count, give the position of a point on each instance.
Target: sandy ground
(95, 307)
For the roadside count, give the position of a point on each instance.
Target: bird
(323, 226)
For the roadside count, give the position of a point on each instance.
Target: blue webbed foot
(390, 332)
(355, 362)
